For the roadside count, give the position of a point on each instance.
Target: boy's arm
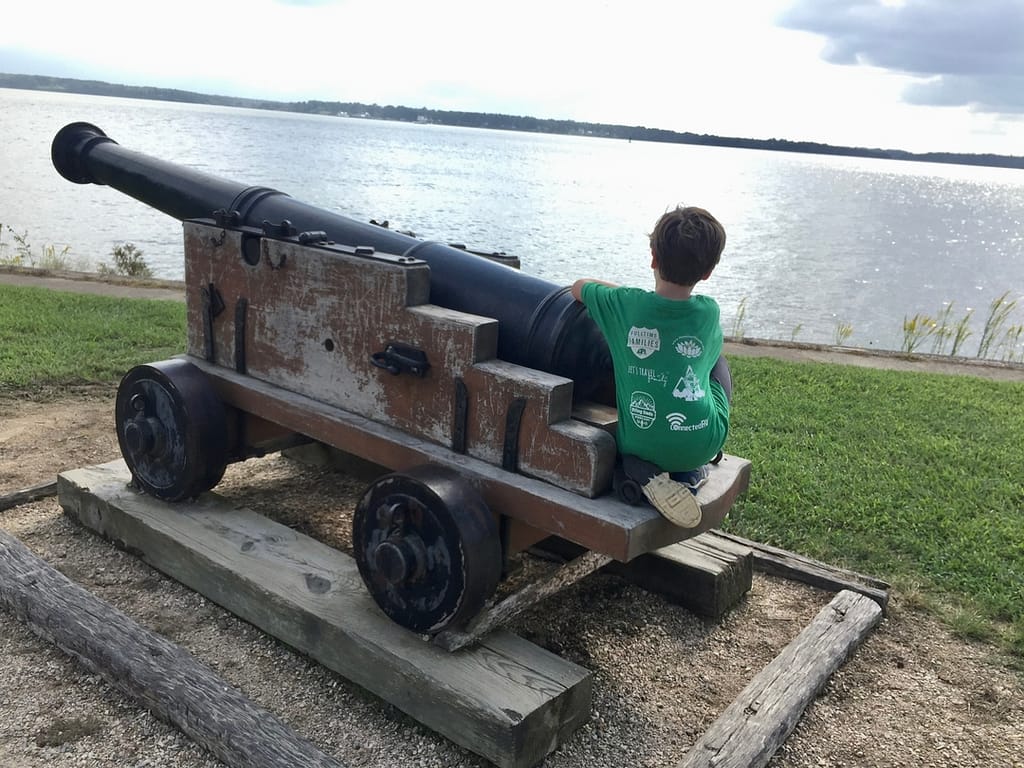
(577, 287)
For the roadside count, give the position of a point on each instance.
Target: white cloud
(725, 68)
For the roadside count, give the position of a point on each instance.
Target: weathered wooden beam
(502, 612)
(28, 495)
(789, 565)
(505, 699)
(706, 575)
(756, 724)
(156, 673)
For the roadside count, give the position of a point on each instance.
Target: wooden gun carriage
(486, 393)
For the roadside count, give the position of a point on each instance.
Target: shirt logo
(688, 387)
(641, 408)
(688, 346)
(643, 341)
(652, 376)
(677, 423)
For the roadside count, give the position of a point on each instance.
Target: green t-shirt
(663, 350)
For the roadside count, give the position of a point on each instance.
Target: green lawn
(50, 338)
(913, 478)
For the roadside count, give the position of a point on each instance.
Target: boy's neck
(674, 291)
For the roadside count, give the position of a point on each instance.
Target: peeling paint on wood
(316, 316)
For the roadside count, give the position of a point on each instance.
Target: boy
(672, 387)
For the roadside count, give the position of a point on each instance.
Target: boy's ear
(708, 274)
(654, 259)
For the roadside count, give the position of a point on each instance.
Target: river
(820, 248)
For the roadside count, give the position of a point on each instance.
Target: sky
(918, 75)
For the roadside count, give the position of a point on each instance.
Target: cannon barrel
(540, 325)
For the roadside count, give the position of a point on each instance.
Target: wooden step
(505, 699)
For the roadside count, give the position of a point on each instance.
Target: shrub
(128, 261)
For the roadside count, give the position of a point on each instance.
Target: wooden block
(768, 709)
(505, 699)
(702, 574)
(310, 319)
(551, 446)
(314, 454)
(605, 417)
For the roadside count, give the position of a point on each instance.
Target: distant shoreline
(493, 121)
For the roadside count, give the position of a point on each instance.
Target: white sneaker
(673, 500)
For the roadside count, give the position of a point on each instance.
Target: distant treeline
(488, 120)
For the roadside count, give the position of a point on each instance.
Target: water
(814, 242)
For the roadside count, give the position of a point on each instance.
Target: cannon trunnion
(295, 335)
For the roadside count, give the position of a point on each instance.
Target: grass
(1000, 339)
(50, 338)
(914, 478)
(910, 477)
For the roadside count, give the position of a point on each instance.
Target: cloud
(963, 53)
(309, 3)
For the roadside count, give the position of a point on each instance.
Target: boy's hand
(577, 287)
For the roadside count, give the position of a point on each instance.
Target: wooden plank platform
(28, 495)
(705, 574)
(505, 699)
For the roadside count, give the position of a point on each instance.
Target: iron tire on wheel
(171, 429)
(427, 547)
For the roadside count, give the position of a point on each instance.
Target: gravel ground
(912, 695)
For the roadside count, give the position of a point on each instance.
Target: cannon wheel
(428, 548)
(172, 429)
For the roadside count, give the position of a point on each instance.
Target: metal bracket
(513, 421)
(460, 419)
(227, 219)
(284, 229)
(241, 306)
(402, 358)
(213, 305)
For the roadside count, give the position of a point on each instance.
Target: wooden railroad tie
(156, 673)
(505, 698)
(756, 724)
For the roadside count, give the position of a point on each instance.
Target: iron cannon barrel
(540, 325)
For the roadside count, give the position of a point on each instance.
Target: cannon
(484, 394)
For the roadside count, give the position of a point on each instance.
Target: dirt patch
(912, 694)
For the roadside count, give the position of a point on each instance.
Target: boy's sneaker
(673, 500)
(693, 479)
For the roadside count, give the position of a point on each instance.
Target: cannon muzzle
(540, 325)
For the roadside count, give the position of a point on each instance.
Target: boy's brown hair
(687, 243)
